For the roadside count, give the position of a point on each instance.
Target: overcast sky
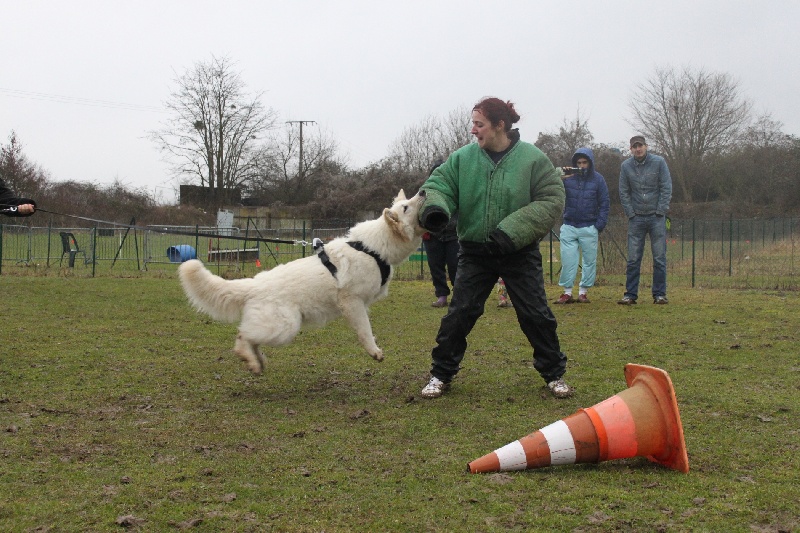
(82, 82)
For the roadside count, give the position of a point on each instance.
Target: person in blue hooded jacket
(585, 215)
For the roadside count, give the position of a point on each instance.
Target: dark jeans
(475, 281)
(441, 255)
(640, 227)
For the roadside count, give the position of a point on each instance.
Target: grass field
(121, 408)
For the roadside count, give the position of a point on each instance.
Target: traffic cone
(641, 421)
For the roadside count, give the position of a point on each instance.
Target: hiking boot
(440, 302)
(660, 300)
(565, 299)
(559, 388)
(435, 388)
(627, 301)
(583, 299)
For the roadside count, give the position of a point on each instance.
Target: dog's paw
(377, 355)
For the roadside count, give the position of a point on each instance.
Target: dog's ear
(390, 216)
(393, 220)
(401, 196)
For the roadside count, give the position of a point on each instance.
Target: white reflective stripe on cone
(561, 444)
(512, 456)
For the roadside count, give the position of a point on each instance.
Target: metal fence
(734, 253)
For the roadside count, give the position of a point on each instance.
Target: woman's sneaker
(559, 388)
(435, 388)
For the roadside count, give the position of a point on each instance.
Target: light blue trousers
(577, 242)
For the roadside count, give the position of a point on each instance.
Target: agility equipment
(641, 421)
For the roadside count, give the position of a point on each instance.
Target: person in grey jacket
(645, 190)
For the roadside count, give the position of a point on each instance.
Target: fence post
(49, 233)
(94, 249)
(244, 245)
(136, 243)
(703, 244)
(730, 246)
(774, 231)
(423, 249)
(693, 254)
(791, 240)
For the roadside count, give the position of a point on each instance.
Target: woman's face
(489, 137)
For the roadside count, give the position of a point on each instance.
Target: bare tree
(764, 132)
(757, 172)
(432, 138)
(215, 127)
(571, 135)
(687, 115)
(278, 177)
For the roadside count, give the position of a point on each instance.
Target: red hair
(496, 110)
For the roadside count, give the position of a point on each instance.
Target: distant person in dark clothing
(442, 250)
(12, 206)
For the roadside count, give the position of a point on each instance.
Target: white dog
(345, 277)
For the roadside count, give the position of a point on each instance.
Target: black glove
(434, 219)
(499, 243)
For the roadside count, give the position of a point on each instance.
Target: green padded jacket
(522, 195)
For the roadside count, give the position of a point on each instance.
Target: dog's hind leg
(354, 310)
(250, 354)
(265, 326)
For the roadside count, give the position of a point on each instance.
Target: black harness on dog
(384, 267)
(319, 249)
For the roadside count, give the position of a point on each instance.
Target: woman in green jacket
(507, 195)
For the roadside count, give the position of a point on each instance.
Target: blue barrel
(181, 253)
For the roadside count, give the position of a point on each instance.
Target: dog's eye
(405, 208)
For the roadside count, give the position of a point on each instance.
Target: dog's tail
(219, 298)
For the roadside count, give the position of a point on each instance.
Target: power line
(60, 99)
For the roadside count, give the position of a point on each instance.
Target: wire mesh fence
(734, 253)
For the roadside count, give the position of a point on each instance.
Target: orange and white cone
(641, 421)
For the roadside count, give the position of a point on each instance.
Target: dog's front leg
(355, 312)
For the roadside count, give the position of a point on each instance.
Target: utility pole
(301, 122)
